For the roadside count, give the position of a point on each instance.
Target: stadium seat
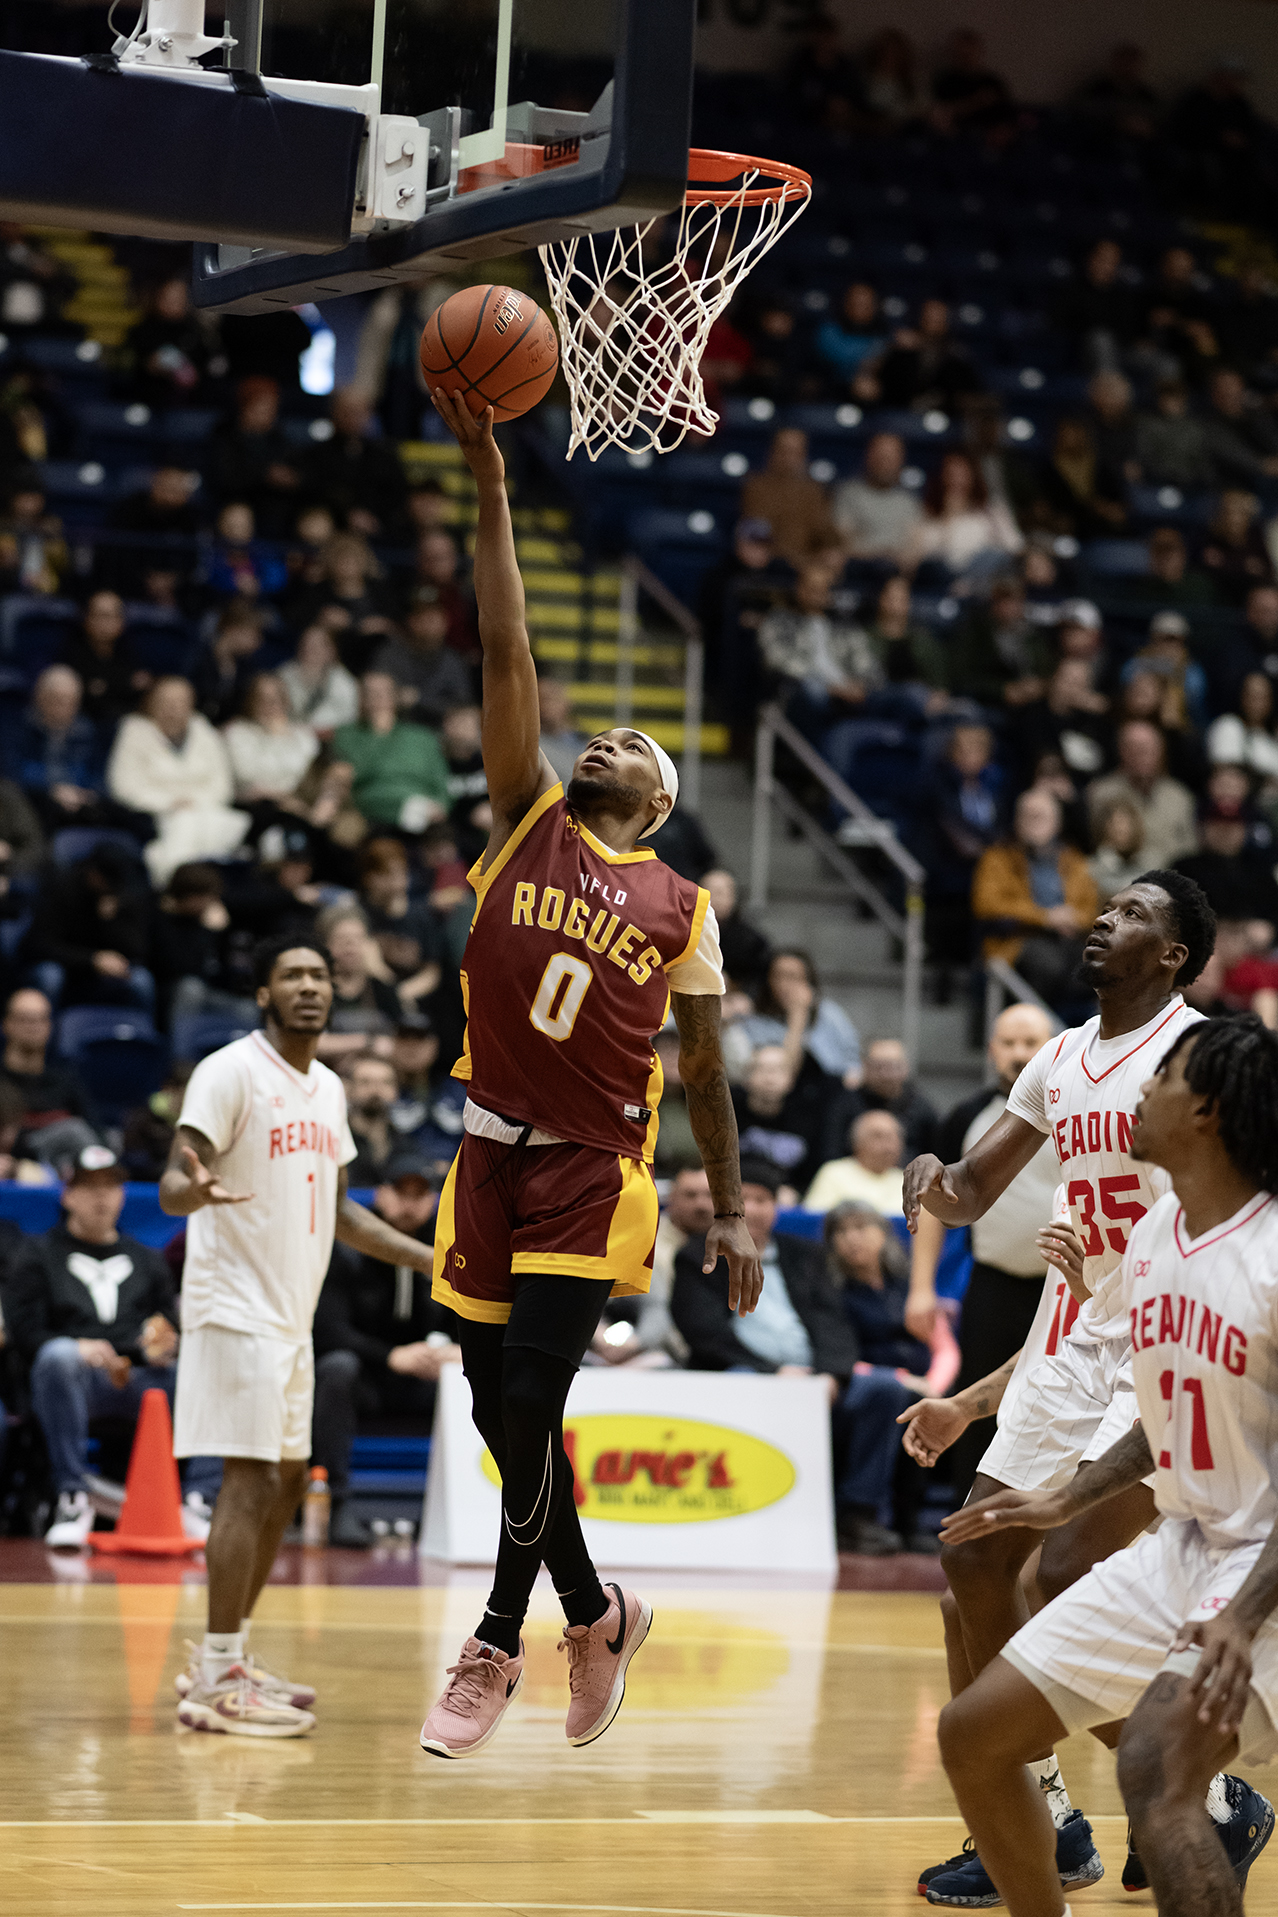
(196, 1034)
(77, 841)
(119, 1073)
(87, 1025)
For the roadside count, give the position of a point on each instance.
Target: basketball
(492, 345)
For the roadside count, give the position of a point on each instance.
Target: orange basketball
(493, 346)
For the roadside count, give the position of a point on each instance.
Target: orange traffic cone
(151, 1520)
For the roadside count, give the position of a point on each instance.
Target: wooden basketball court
(775, 1757)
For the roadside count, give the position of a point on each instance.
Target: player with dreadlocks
(1176, 1634)
(1076, 1399)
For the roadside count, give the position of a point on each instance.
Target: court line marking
(639, 1821)
(513, 1904)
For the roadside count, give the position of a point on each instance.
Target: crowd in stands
(1001, 426)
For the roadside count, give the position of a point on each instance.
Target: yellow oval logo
(640, 1469)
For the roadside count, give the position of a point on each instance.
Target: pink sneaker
(597, 1658)
(484, 1681)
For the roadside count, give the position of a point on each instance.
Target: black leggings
(519, 1374)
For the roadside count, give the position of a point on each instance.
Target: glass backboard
(544, 117)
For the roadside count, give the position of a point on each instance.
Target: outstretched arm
(1123, 1465)
(517, 773)
(959, 1194)
(714, 1126)
(364, 1231)
(189, 1182)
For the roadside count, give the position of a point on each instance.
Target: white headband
(669, 778)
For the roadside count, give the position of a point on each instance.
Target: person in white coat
(169, 761)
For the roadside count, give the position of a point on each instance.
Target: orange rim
(789, 182)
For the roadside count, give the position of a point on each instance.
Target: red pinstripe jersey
(565, 981)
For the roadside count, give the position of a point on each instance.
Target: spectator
(149, 1130)
(965, 810)
(870, 1175)
(21, 840)
(1119, 858)
(399, 775)
(641, 1331)
(998, 655)
(967, 95)
(167, 760)
(781, 1115)
(1242, 437)
(439, 564)
(826, 664)
(846, 343)
(876, 515)
(780, 369)
(1177, 333)
(886, 1086)
(745, 949)
(222, 673)
(407, 932)
(470, 814)
(867, 1265)
(173, 350)
(1246, 737)
(350, 600)
(1166, 652)
(253, 459)
(561, 742)
(52, 1101)
(1098, 311)
(1169, 581)
(366, 1006)
(1113, 427)
(198, 959)
(59, 756)
(357, 477)
(99, 655)
(792, 1013)
(269, 749)
(1120, 98)
(429, 1110)
(321, 692)
(1248, 325)
(1035, 898)
(890, 91)
(94, 1315)
(164, 524)
(924, 366)
(34, 285)
(1237, 878)
(241, 565)
(380, 1341)
(266, 346)
(89, 937)
(1152, 697)
(1068, 722)
(1166, 808)
(1077, 496)
(823, 83)
(961, 527)
(1223, 145)
(372, 1091)
(1234, 555)
(1172, 445)
(794, 504)
(33, 552)
(1008, 1268)
(431, 677)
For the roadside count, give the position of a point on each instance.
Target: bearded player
(580, 942)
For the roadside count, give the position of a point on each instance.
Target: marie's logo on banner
(649, 1470)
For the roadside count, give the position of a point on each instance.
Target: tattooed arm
(364, 1231)
(714, 1126)
(1123, 1465)
(933, 1424)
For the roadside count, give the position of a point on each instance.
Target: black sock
(586, 1602)
(501, 1632)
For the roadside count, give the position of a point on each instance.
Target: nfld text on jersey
(548, 909)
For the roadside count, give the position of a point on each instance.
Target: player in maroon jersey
(580, 943)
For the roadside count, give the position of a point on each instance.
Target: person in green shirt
(399, 773)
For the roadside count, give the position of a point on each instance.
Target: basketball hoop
(635, 310)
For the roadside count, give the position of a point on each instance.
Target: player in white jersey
(258, 1167)
(1176, 1634)
(1081, 1088)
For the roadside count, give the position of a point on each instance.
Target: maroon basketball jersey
(564, 981)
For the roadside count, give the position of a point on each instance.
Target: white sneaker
(300, 1696)
(237, 1705)
(72, 1522)
(197, 1516)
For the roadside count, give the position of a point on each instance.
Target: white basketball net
(635, 306)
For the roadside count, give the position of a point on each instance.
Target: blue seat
(86, 1025)
(160, 642)
(120, 1073)
(1116, 558)
(196, 1034)
(77, 841)
(12, 933)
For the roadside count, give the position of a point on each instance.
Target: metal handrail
(1003, 983)
(871, 831)
(636, 578)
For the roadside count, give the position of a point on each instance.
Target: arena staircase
(103, 301)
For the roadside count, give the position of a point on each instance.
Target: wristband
(729, 1214)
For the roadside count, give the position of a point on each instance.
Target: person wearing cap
(95, 1316)
(428, 1111)
(580, 944)
(380, 1339)
(431, 678)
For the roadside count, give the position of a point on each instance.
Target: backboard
(544, 118)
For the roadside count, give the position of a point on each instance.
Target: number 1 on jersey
(565, 979)
(310, 1179)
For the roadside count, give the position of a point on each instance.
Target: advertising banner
(673, 1470)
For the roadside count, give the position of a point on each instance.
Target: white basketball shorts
(240, 1395)
(1069, 1409)
(1094, 1650)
